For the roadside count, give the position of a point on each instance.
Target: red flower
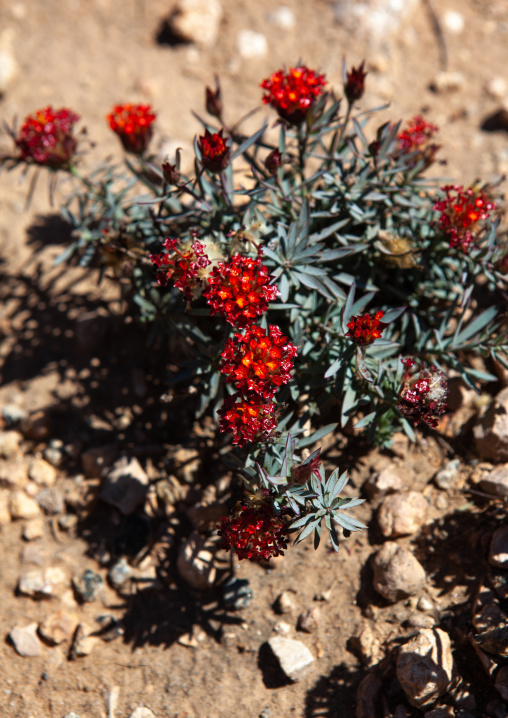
(182, 266)
(133, 125)
(417, 138)
(461, 213)
(46, 138)
(214, 150)
(293, 93)
(364, 329)
(239, 290)
(254, 532)
(423, 397)
(258, 362)
(250, 419)
(355, 83)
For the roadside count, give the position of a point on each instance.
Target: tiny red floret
(215, 151)
(355, 83)
(417, 138)
(364, 329)
(182, 265)
(239, 290)
(293, 93)
(46, 138)
(254, 532)
(422, 397)
(257, 361)
(133, 125)
(250, 419)
(462, 211)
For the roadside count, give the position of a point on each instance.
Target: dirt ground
(181, 654)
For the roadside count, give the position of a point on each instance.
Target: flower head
(254, 532)
(364, 329)
(133, 125)
(273, 162)
(46, 138)
(185, 265)
(417, 138)
(355, 83)
(215, 151)
(239, 290)
(293, 93)
(462, 212)
(250, 419)
(257, 361)
(423, 396)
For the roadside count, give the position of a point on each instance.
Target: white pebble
(283, 17)
(454, 22)
(251, 45)
(496, 87)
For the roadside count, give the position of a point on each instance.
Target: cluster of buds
(416, 140)
(462, 212)
(254, 532)
(133, 125)
(292, 94)
(184, 266)
(423, 396)
(46, 138)
(364, 329)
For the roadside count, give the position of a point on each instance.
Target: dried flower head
(257, 361)
(250, 419)
(417, 138)
(462, 212)
(215, 151)
(273, 162)
(423, 396)
(184, 265)
(364, 329)
(239, 290)
(254, 532)
(293, 93)
(354, 86)
(133, 125)
(46, 138)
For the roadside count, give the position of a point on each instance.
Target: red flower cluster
(258, 362)
(461, 212)
(183, 266)
(250, 419)
(239, 290)
(293, 93)
(215, 151)
(133, 125)
(355, 83)
(364, 329)
(254, 532)
(417, 137)
(46, 138)
(423, 396)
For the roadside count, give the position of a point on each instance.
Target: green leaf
(317, 435)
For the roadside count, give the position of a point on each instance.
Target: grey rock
(197, 21)
(491, 434)
(498, 552)
(51, 501)
(425, 667)
(125, 486)
(397, 573)
(293, 656)
(402, 514)
(448, 477)
(237, 594)
(195, 561)
(285, 602)
(25, 640)
(42, 584)
(496, 482)
(385, 482)
(89, 586)
(120, 574)
(308, 621)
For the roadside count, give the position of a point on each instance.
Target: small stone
(402, 514)
(497, 88)
(397, 573)
(425, 667)
(366, 646)
(71, 715)
(308, 621)
(51, 501)
(441, 712)
(448, 477)
(54, 452)
(125, 486)
(142, 712)
(442, 502)
(454, 22)
(385, 482)
(12, 413)
(491, 433)
(37, 426)
(5, 514)
(502, 682)
(283, 17)
(34, 553)
(285, 603)
(95, 460)
(197, 21)
(195, 562)
(491, 624)
(14, 472)
(237, 594)
(25, 640)
(498, 553)
(22, 506)
(42, 584)
(82, 643)
(448, 82)
(9, 443)
(293, 656)
(58, 627)
(495, 482)
(89, 587)
(33, 529)
(417, 620)
(366, 696)
(281, 628)
(251, 45)
(67, 522)
(42, 472)
(424, 604)
(120, 574)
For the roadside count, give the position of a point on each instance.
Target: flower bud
(170, 173)
(214, 101)
(273, 162)
(354, 86)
